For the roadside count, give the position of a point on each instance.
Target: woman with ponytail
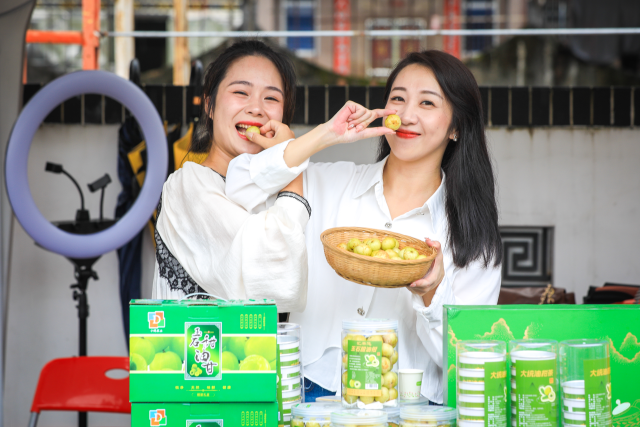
(433, 180)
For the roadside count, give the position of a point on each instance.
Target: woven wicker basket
(371, 271)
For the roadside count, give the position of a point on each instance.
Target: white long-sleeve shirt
(204, 239)
(345, 194)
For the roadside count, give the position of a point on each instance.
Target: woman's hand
(272, 133)
(426, 287)
(350, 124)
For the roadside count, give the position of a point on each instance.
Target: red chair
(81, 384)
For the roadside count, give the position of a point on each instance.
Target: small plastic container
(291, 384)
(289, 359)
(289, 337)
(393, 415)
(371, 376)
(429, 416)
(291, 396)
(291, 371)
(584, 368)
(313, 414)
(482, 382)
(359, 418)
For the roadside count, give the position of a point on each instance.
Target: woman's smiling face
(425, 114)
(251, 94)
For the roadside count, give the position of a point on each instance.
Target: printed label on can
(364, 370)
(536, 393)
(495, 394)
(597, 386)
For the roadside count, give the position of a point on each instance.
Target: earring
(455, 137)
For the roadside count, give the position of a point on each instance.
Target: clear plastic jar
(290, 344)
(369, 363)
(316, 414)
(393, 415)
(359, 418)
(427, 416)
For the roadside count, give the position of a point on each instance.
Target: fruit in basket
(410, 253)
(385, 364)
(390, 338)
(393, 122)
(390, 379)
(353, 243)
(384, 397)
(362, 250)
(387, 350)
(343, 246)
(389, 243)
(374, 244)
(396, 257)
(421, 256)
(381, 254)
(391, 253)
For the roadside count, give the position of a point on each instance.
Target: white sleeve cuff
(297, 208)
(433, 313)
(269, 171)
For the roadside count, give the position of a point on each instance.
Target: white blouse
(204, 239)
(345, 194)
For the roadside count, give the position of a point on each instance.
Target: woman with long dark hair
(433, 180)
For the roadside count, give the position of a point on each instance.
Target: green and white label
(597, 385)
(536, 393)
(364, 370)
(207, 423)
(203, 351)
(279, 395)
(495, 394)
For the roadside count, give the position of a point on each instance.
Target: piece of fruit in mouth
(243, 128)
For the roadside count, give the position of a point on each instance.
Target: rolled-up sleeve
(253, 179)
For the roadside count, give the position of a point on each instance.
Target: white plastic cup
(410, 383)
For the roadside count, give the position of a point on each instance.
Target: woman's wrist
(302, 148)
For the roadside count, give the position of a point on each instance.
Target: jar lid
(428, 413)
(370, 324)
(359, 416)
(315, 409)
(392, 411)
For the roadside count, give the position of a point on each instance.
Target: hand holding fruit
(429, 283)
(270, 134)
(350, 124)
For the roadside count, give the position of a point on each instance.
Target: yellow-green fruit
(137, 362)
(345, 379)
(393, 394)
(345, 361)
(396, 257)
(167, 361)
(394, 358)
(345, 341)
(160, 343)
(177, 346)
(401, 253)
(352, 383)
(235, 345)
(263, 346)
(229, 361)
(393, 122)
(353, 243)
(366, 399)
(253, 129)
(421, 256)
(396, 249)
(410, 253)
(388, 243)
(384, 397)
(362, 250)
(375, 338)
(381, 254)
(359, 338)
(313, 424)
(391, 253)
(255, 362)
(350, 399)
(297, 423)
(374, 244)
(391, 338)
(385, 365)
(387, 350)
(142, 347)
(390, 379)
(342, 246)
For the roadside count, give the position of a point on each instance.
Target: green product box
(619, 325)
(204, 414)
(203, 351)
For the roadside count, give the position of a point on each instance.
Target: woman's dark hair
(470, 201)
(217, 71)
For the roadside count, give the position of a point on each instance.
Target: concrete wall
(585, 183)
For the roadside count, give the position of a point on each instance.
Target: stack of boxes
(204, 363)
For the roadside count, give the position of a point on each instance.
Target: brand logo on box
(157, 417)
(156, 319)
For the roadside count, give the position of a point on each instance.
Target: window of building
(300, 15)
(479, 14)
(382, 53)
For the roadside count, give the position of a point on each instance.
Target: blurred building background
(551, 60)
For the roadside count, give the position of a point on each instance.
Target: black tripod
(83, 267)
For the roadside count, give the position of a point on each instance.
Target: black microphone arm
(82, 214)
